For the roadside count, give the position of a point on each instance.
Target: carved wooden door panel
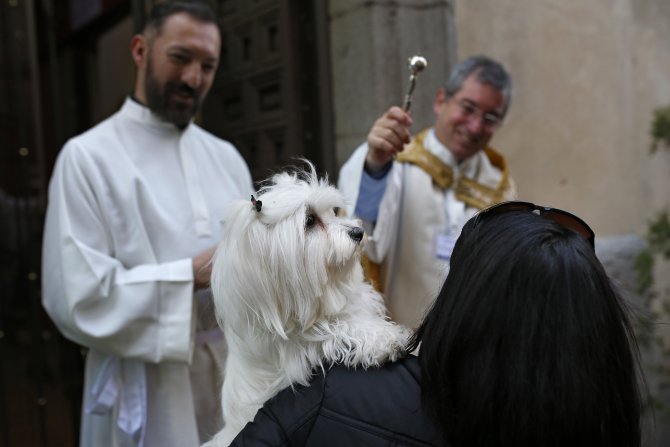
(271, 95)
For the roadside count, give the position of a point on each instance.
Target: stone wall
(371, 42)
(588, 76)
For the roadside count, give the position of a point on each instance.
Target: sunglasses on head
(563, 218)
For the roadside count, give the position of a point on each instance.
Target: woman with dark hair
(527, 344)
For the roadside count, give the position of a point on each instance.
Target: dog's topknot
(299, 186)
(256, 203)
(296, 174)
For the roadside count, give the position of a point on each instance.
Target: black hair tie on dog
(256, 203)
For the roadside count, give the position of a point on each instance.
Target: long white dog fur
(290, 295)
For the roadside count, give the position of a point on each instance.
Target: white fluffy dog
(290, 295)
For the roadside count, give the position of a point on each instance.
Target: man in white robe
(415, 195)
(135, 210)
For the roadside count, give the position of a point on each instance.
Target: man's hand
(202, 269)
(388, 136)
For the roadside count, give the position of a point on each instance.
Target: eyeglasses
(563, 218)
(470, 110)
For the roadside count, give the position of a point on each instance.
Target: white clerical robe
(417, 224)
(131, 201)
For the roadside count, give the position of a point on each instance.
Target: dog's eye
(336, 210)
(310, 221)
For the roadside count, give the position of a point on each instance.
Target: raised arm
(388, 136)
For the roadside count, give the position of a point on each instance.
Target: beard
(161, 101)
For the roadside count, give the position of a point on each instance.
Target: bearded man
(135, 211)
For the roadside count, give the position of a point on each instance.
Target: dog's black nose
(356, 233)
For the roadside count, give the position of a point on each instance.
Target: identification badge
(444, 244)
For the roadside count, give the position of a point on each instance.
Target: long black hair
(529, 343)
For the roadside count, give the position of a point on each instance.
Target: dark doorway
(272, 94)
(271, 99)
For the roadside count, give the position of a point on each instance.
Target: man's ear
(440, 100)
(139, 49)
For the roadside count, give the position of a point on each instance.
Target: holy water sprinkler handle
(416, 64)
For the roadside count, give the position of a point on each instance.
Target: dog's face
(300, 217)
(285, 256)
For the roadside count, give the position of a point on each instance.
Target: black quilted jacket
(347, 408)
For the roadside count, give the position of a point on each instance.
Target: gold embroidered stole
(466, 189)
